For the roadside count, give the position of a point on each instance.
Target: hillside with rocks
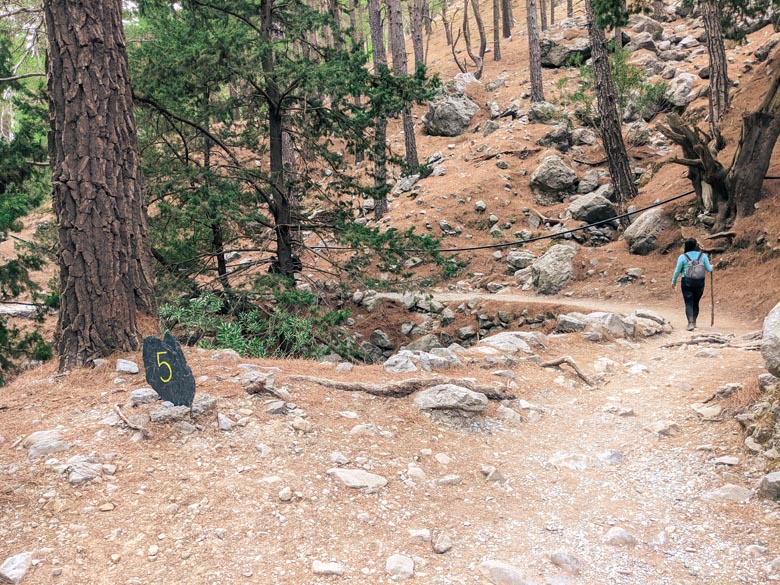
(542, 417)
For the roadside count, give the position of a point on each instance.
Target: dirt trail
(198, 505)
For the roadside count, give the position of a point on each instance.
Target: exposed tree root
(404, 388)
(569, 361)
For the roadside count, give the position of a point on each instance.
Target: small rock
(126, 367)
(501, 573)
(618, 536)
(15, 568)
(450, 480)
(567, 562)
(301, 424)
(442, 543)
(327, 568)
(770, 486)
(726, 460)
(357, 478)
(400, 567)
(664, 428)
(143, 396)
(224, 423)
(285, 494)
(729, 493)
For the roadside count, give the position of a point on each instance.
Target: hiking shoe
(691, 326)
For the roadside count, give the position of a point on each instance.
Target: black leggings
(692, 290)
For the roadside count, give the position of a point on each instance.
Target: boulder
(450, 112)
(553, 269)
(559, 137)
(552, 181)
(638, 134)
(591, 208)
(642, 235)
(589, 182)
(542, 113)
(558, 54)
(770, 486)
(770, 346)
(641, 23)
(570, 323)
(763, 51)
(508, 341)
(519, 259)
(425, 343)
(643, 40)
(583, 137)
(451, 397)
(681, 92)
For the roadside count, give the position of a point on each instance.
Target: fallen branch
(570, 361)
(592, 163)
(721, 235)
(405, 387)
(544, 219)
(146, 433)
(713, 338)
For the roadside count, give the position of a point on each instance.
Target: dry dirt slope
(257, 505)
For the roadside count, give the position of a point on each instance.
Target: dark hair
(691, 245)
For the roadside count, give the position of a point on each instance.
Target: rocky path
(622, 483)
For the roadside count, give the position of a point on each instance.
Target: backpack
(695, 268)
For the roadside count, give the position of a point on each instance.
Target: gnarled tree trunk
(731, 192)
(611, 132)
(478, 60)
(534, 53)
(106, 277)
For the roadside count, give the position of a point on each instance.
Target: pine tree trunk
(447, 25)
(543, 14)
(534, 53)
(398, 48)
(496, 33)
(506, 18)
(357, 40)
(569, 8)
(427, 17)
(380, 133)
(415, 20)
(477, 59)
(106, 276)
(611, 130)
(552, 12)
(719, 76)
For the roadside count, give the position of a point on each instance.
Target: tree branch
(22, 76)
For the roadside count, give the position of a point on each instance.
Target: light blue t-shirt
(682, 263)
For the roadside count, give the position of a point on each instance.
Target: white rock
(442, 543)
(501, 573)
(452, 397)
(143, 396)
(729, 493)
(327, 568)
(357, 478)
(618, 536)
(566, 561)
(338, 458)
(400, 567)
(285, 494)
(224, 423)
(126, 367)
(44, 443)
(15, 568)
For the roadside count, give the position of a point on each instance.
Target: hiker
(694, 265)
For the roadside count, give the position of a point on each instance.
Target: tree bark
(398, 48)
(506, 18)
(447, 25)
(543, 14)
(719, 76)
(357, 40)
(569, 8)
(380, 132)
(496, 32)
(416, 22)
(552, 12)
(477, 59)
(611, 131)
(105, 261)
(534, 53)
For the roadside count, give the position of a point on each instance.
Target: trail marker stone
(167, 370)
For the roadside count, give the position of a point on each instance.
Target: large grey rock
(357, 478)
(519, 259)
(729, 493)
(399, 364)
(609, 325)
(126, 366)
(552, 181)
(641, 23)
(143, 396)
(82, 469)
(583, 137)
(425, 343)
(15, 568)
(400, 567)
(553, 269)
(508, 341)
(542, 113)
(642, 235)
(451, 397)
(643, 40)
(501, 573)
(570, 323)
(591, 208)
(381, 339)
(557, 54)
(450, 112)
(43, 443)
(770, 346)
(681, 92)
(770, 485)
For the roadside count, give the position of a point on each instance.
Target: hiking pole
(712, 298)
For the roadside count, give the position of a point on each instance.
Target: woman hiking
(694, 265)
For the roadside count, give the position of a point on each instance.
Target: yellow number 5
(166, 364)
